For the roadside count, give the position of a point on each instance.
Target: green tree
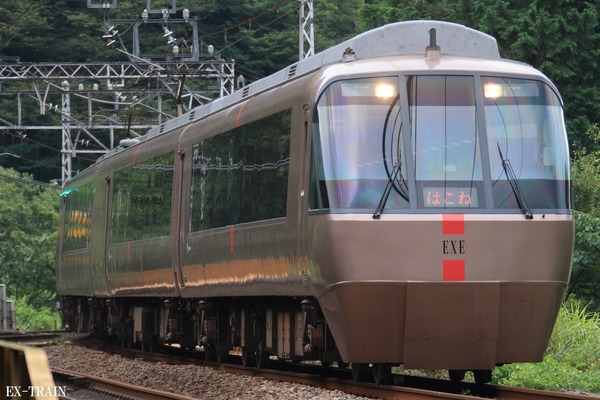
(586, 176)
(585, 276)
(29, 318)
(28, 221)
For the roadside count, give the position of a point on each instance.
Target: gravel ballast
(187, 380)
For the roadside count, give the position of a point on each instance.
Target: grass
(572, 359)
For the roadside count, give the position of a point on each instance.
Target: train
(402, 198)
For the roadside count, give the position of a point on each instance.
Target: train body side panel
(80, 270)
(257, 258)
(141, 266)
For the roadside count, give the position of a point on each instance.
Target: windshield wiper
(387, 190)
(514, 184)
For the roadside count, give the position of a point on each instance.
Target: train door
(302, 204)
(106, 233)
(178, 227)
(100, 270)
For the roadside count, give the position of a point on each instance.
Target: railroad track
(29, 338)
(407, 387)
(429, 388)
(76, 386)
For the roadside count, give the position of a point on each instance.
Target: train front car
(440, 217)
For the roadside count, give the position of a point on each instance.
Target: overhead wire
(41, 144)
(246, 21)
(32, 161)
(262, 27)
(28, 181)
(247, 71)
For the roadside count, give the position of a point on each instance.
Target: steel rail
(114, 387)
(29, 337)
(515, 393)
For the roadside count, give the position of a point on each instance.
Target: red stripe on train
(453, 224)
(454, 270)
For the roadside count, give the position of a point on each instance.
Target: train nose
(442, 325)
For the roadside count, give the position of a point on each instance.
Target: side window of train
(77, 220)
(242, 175)
(141, 200)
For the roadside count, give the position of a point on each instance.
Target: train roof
(400, 38)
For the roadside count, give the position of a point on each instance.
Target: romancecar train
(401, 198)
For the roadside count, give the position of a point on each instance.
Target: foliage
(28, 220)
(572, 358)
(30, 318)
(549, 375)
(585, 275)
(586, 176)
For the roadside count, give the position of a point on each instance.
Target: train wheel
(456, 375)
(358, 370)
(482, 376)
(382, 373)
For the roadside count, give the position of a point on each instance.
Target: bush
(585, 276)
(585, 170)
(548, 375)
(29, 318)
(571, 361)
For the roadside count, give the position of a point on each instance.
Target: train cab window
(356, 144)
(473, 142)
(525, 128)
(445, 141)
(141, 200)
(77, 217)
(242, 175)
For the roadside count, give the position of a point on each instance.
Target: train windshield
(427, 145)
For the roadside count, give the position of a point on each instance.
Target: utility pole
(306, 29)
(67, 144)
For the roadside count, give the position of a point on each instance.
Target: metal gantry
(93, 100)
